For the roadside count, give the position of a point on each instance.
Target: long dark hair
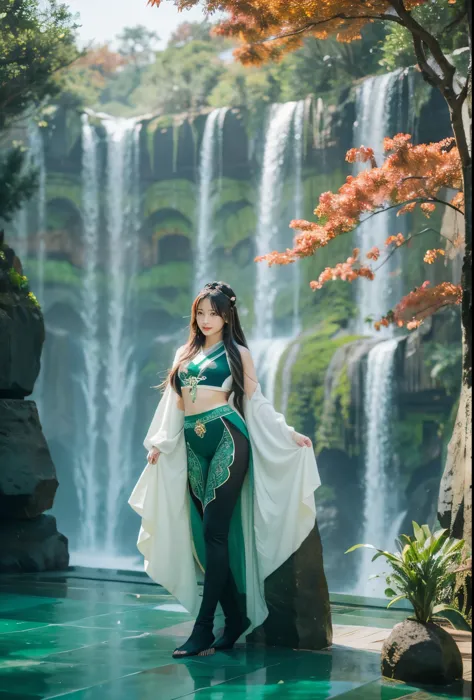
(223, 301)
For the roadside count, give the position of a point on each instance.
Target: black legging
(219, 585)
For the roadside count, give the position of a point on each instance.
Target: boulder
(421, 653)
(32, 545)
(28, 480)
(22, 333)
(298, 601)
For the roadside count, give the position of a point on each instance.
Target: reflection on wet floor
(62, 635)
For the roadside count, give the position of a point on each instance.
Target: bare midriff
(206, 400)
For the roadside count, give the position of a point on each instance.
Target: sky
(102, 20)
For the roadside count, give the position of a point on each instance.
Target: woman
(228, 484)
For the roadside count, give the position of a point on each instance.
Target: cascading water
(285, 120)
(21, 233)
(120, 367)
(373, 109)
(380, 501)
(299, 120)
(212, 138)
(38, 160)
(86, 467)
(377, 98)
(271, 186)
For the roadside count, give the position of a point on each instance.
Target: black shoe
(200, 643)
(232, 632)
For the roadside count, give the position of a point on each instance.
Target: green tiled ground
(69, 636)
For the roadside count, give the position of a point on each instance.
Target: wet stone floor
(71, 636)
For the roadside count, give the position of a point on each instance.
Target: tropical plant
(424, 573)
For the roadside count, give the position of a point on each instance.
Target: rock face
(28, 483)
(418, 653)
(298, 601)
(32, 545)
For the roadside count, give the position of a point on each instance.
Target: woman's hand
(153, 455)
(301, 440)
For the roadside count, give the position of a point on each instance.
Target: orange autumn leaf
(268, 29)
(374, 253)
(431, 255)
(397, 240)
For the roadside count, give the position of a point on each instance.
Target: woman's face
(208, 320)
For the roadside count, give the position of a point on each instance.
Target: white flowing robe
(278, 508)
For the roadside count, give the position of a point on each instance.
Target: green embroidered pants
(218, 457)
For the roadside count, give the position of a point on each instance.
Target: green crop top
(209, 368)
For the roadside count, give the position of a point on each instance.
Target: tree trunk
(455, 498)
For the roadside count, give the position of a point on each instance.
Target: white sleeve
(167, 422)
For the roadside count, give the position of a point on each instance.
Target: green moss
(233, 191)
(336, 430)
(173, 275)
(233, 227)
(176, 130)
(306, 400)
(55, 272)
(62, 186)
(16, 280)
(408, 436)
(179, 195)
(325, 494)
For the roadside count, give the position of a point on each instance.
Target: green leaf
(390, 593)
(358, 546)
(395, 600)
(454, 616)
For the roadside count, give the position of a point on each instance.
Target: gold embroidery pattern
(190, 422)
(200, 429)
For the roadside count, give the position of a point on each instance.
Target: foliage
(268, 30)
(424, 573)
(410, 177)
(445, 363)
(13, 283)
(190, 31)
(442, 18)
(36, 41)
(135, 86)
(190, 73)
(87, 78)
(137, 45)
(18, 183)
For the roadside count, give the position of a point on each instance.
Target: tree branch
(429, 40)
(312, 25)
(408, 240)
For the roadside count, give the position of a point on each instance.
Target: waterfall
(373, 109)
(298, 202)
(286, 376)
(271, 186)
(86, 468)
(20, 225)
(37, 159)
(213, 132)
(380, 503)
(120, 367)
